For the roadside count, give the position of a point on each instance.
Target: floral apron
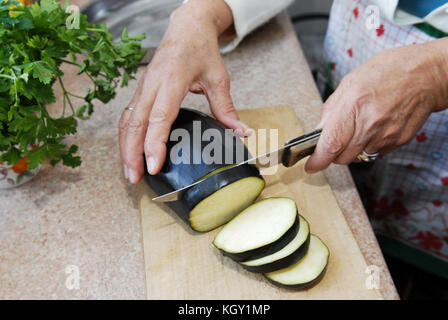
(405, 192)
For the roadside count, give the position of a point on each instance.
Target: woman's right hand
(188, 59)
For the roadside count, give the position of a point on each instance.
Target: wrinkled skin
(382, 104)
(378, 107)
(188, 59)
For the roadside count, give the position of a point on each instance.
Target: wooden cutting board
(183, 264)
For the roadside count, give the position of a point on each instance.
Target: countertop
(88, 217)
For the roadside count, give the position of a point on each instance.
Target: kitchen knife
(288, 155)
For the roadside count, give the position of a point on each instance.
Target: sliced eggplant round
(222, 205)
(260, 230)
(290, 254)
(222, 194)
(306, 272)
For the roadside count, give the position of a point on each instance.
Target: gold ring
(367, 157)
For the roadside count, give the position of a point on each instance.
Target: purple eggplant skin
(174, 176)
(284, 262)
(218, 181)
(269, 248)
(301, 286)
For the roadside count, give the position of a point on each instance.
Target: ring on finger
(130, 108)
(367, 157)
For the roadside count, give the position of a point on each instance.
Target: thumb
(218, 95)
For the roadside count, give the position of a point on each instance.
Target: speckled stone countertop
(88, 217)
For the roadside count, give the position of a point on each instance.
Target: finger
(389, 141)
(379, 147)
(197, 88)
(355, 146)
(221, 104)
(164, 112)
(350, 153)
(138, 91)
(335, 136)
(396, 135)
(134, 131)
(122, 127)
(125, 118)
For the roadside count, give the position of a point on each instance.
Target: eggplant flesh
(260, 230)
(221, 206)
(290, 254)
(306, 272)
(233, 190)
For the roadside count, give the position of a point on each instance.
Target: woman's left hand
(383, 103)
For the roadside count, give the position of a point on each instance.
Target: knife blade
(288, 155)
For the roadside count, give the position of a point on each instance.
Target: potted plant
(35, 41)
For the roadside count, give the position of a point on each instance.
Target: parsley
(35, 42)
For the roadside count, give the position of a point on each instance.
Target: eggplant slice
(290, 254)
(221, 206)
(306, 272)
(260, 230)
(222, 194)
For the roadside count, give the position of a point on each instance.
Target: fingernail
(244, 131)
(150, 165)
(309, 171)
(239, 132)
(133, 176)
(249, 132)
(126, 171)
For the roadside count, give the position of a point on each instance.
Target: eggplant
(260, 230)
(290, 254)
(222, 194)
(306, 272)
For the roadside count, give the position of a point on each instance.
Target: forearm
(230, 20)
(214, 16)
(438, 50)
(249, 15)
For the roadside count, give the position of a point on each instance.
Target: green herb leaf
(49, 5)
(41, 71)
(36, 41)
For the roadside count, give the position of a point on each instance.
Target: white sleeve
(250, 14)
